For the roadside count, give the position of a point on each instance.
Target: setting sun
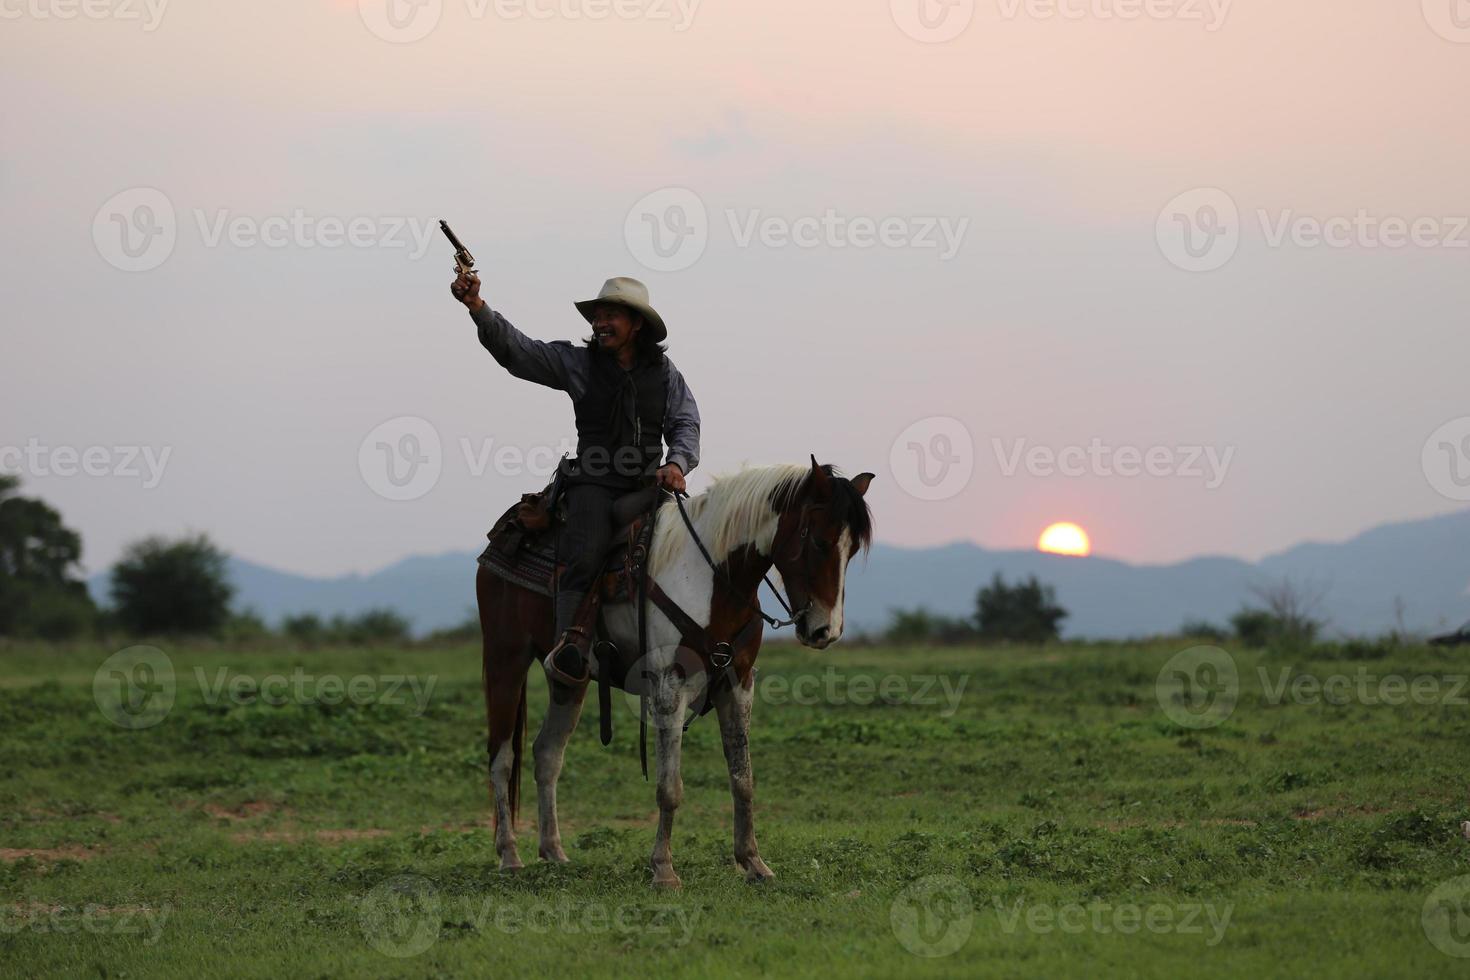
(1065, 539)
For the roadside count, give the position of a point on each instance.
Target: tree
(1026, 612)
(172, 587)
(38, 554)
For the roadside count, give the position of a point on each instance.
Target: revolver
(464, 262)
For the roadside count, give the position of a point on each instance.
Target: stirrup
(555, 672)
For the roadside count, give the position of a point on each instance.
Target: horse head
(824, 521)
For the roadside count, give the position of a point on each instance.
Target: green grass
(1053, 799)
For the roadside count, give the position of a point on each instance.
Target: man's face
(614, 326)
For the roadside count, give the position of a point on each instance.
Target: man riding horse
(629, 400)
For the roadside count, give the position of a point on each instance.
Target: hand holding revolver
(466, 289)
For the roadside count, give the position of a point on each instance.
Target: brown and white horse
(807, 522)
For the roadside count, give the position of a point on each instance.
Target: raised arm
(555, 365)
(681, 423)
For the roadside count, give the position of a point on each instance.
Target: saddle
(522, 541)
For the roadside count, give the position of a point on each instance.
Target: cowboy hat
(632, 294)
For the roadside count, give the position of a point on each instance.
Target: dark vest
(620, 422)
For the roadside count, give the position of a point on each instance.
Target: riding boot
(576, 614)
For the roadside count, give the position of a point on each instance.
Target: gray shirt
(566, 367)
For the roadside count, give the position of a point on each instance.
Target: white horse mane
(736, 510)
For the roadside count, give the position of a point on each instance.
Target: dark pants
(587, 534)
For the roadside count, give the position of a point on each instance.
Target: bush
(916, 626)
(1199, 629)
(163, 587)
(1026, 612)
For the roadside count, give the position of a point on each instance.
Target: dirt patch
(47, 855)
(244, 811)
(329, 836)
(1116, 825)
(1340, 812)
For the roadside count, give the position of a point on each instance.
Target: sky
(1190, 273)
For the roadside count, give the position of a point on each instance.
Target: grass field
(928, 812)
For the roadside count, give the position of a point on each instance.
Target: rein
(771, 621)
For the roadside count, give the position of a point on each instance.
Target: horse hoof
(555, 855)
(512, 864)
(757, 872)
(667, 880)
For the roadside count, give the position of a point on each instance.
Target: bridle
(722, 577)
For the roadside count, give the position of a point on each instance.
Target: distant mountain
(1425, 562)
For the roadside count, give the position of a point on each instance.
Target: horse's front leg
(667, 700)
(732, 705)
(550, 749)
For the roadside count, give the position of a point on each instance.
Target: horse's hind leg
(506, 661)
(549, 751)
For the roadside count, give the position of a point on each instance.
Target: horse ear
(860, 483)
(820, 479)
